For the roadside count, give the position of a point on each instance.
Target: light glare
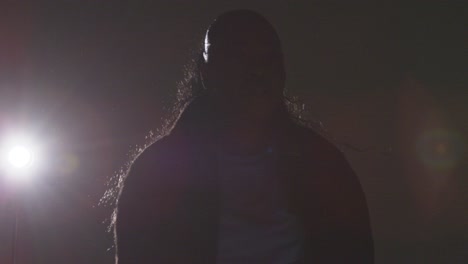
(20, 157)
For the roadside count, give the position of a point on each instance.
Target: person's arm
(135, 241)
(336, 212)
(349, 237)
(352, 216)
(144, 209)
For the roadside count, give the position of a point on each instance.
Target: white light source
(20, 157)
(16, 158)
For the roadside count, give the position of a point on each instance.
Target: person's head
(242, 68)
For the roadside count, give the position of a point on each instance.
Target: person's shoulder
(314, 143)
(160, 151)
(149, 153)
(155, 162)
(331, 168)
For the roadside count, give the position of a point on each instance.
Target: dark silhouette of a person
(237, 179)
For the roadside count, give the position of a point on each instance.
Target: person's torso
(255, 225)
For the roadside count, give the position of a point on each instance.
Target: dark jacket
(168, 209)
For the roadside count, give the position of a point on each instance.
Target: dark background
(90, 79)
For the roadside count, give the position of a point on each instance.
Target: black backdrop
(89, 80)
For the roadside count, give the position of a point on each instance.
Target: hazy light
(441, 149)
(20, 157)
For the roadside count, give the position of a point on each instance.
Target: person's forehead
(247, 39)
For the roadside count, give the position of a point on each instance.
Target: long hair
(188, 110)
(191, 95)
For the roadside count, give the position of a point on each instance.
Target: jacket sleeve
(347, 236)
(351, 216)
(332, 203)
(143, 215)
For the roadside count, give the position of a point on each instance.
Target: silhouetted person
(237, 180)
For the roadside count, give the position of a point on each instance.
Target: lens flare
(441, 149)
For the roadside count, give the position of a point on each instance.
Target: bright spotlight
(20, 157)
(19, 154)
